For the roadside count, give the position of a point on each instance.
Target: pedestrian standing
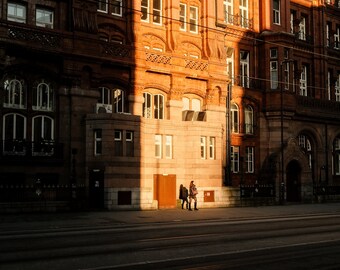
(183, 195)
(192, 195)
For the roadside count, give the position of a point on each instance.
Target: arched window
(43, 97)
(306, 146)
(14, 133)
(234, 118)
(153, 106)
(43, 135)
(190, 103)
(249, 120)
(186, 103)
(15, 94)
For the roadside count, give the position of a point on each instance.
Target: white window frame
(47, 20)
(158, 104)
(118, 100)
(244, 18)
(16, 12)
(157, 13)
(337, 88)
(105, 95)
(158, 146)
(183, 16)
(249, 120)
(230, 68)
(15, 94)
(14, 132)
(98, 146)
(168, 146)
(302, 28)
(337, 38)
(329, 85)
(229, 11)
(328, 39)
(244, 69)
(43, 127)
(145, 8)
(276, 12)
(303, 81)
(193, 19)
(203, 146)
(102, 6)
(43, 97)
(274, 75)
(235, 118)
(117, 8)
(235, 159)
(249, 159)
(212, 146)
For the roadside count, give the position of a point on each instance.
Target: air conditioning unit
(103, 108)
(199, 116)
(187, 115)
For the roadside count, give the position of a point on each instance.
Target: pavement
(28, 222)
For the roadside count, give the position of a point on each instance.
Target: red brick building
(131, 99)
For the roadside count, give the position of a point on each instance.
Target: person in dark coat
(183, 195)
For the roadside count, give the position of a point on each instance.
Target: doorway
(165, 190)
(293, 182)
(96, 189)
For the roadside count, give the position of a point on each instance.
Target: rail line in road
(149, 245)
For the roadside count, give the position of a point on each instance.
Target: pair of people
(184, 194)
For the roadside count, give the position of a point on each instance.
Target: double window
(211, 147)
(229, 11)
(121, 148)
(110, 6)
(16, 12)
(43, 135)
(44, 18)
(15, 93)
(153, 106)
(152, 11)
(14, 133)
(168, 144)
(244, 14)
(188, 16)
(112, 100)
(43, 97)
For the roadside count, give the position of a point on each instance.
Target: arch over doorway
(293, 181)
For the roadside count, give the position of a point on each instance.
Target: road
(288, 242)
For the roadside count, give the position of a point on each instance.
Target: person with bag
(192, 195)
(183, 195)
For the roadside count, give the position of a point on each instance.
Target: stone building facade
(131, 99)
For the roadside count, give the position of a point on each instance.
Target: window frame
(244, 69)
(98, 142)
(45, 24)
(303, 81)
(14, 17)
(116, 7)
(39, 97)
(235, 118)
(212, 147)
(168, 146)
(235, 159)
(276, 12)
(103, 6)
(249, 119)
(11, 91)
(203, 145)
(250, 159)
(158, 146)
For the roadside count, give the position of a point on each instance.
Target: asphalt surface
(40, 221)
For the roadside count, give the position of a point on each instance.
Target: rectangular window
(303, 82)
(118, 147)
(145, 10)
(117, 7)
(229, 11)
(244, 13)
(276, 11)
(249, 159)
(230, 67)
(337, 38)
(158, 146)
(97, 142)
(182, 16)
(329, 85)
(193, 20)
(102, 6)
(337, 88)
(129, 144)
(235, 159)
(16, 12)
(274, 81)
(244, 69)
(44, 18)
(302, 28)
(157, 11)
(328, 35)
(203, 147)
(168, 146)
(212, 147)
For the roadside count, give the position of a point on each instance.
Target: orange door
(165, 190)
